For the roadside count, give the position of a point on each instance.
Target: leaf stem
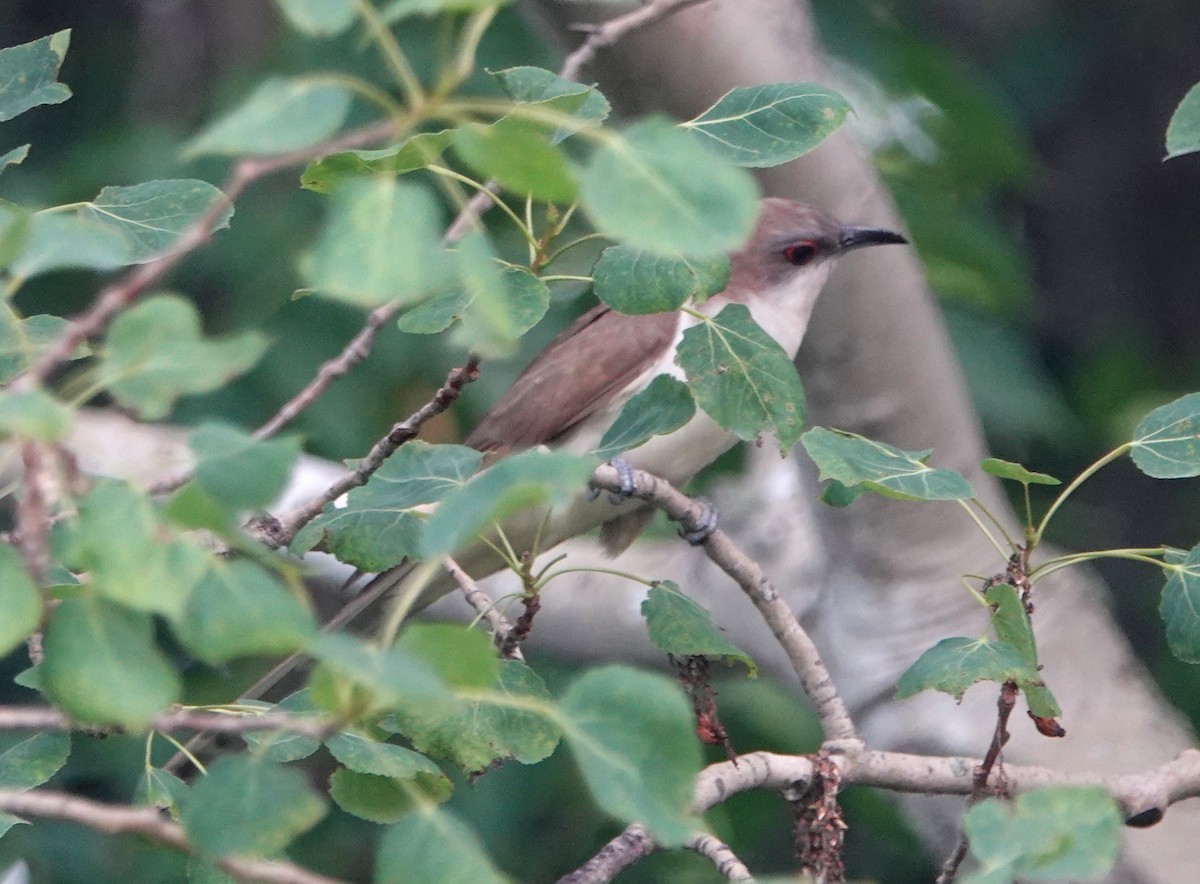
(1036, 537)
(463, 64)
(1146, 555)
(611, 571)
(483, 188)
(995, 521)
(565, 277)
(1004, 554)
(558, 253)
(405, 76)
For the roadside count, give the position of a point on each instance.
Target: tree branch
(1143, 797)
(720, 855)
(614, 857)
(805, 659)
(485, 605)
(118, 295)
(281, 531)
(42, 718)
(114, 819)
(598, 37)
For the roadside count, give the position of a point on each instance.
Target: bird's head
(793, 240)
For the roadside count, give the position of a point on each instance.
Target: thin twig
(285, 527)
(599, 36)
(720, 855)
(614, 857)
(801, 651)
(485, 605)
(119, 294)
(115, 819)
(603, 35)
(33, 526)
(42, 718)
(980, 787)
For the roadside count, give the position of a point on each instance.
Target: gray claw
(697, 529)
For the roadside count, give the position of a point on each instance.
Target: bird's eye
(800, 253)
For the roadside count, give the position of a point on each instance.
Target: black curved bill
(857, 237)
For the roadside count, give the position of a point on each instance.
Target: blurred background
(1023, 142)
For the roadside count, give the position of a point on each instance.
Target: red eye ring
(801, 252)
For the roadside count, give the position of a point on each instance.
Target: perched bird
(573, 390)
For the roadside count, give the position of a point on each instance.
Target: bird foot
(696, 528)
(624, 476)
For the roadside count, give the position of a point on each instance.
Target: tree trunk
(878, 581)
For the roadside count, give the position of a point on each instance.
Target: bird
(571, 392)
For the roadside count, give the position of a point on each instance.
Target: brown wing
(594, 357)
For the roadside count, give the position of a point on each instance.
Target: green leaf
(954, 664)
(191, 507)
(663, 407)
(1013, 628)
(35, 760)
(28, 73)
(374, 530)
(23, 340)
(59, 241)
(320, 18)
(435, 315)
(533, 478)
(381, 242)
(762, 126)
(281, 746)
(632, 280)
(383, 782)
(279, 116)
(631, 734)
(1006, 469)
(373, 798)
(19, 600)
(519, 155)
(852, 460)
(237, 610)
(1050, 834)
(683, 628)
(353, 674)
(505, 301)
(102, 665)
(1166, 444)
(245, 807)
(1183, 132)
(162, 789)
(14, 230)
(398, 9)
(1011, 621)
(238, 470)
(131, 555)
(531, 85)
(658, 187)
(461, 657)
(433, 846)
(151, 217)
(414, 153)
(497, 726)
(1180, 607)
(742, 378)
(14, 157)
(836, 494)
(360, 753)
(154, 353)
(34, 415)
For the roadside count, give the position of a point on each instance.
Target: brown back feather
(593, 358)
